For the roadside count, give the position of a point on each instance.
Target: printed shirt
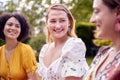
(72, 61)
(109, 72)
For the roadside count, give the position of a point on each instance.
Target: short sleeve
(74, 62)
(29, 60)
(40, 71)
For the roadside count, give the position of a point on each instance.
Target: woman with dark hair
(106, 64)
(63, 57)
(17, 60)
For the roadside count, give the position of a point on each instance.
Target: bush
(37, 42)
(2, 42)
(85, 32)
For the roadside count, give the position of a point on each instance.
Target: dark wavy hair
(112, 4)
(25, 27)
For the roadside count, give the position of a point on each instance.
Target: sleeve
(40, 71)
(74, 59)
(29, 60)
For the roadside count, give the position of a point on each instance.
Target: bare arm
(73, 78)
(32, 76)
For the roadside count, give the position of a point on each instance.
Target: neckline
(9, 61)
(104, 58)
(58, 59)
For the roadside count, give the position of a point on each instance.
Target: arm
(75, 65)
(73, 78)
(32, 76)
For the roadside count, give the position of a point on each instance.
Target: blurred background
(36, 10)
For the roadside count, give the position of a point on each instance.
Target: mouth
(97, 27)
(11, 32)
(58, 30)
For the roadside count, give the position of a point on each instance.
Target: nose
(57, 25)
(92, 19)
(13, 27)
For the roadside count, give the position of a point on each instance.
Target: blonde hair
(62, 7)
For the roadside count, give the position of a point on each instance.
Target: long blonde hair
(62, 7)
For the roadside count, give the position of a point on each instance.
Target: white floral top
(72, 61)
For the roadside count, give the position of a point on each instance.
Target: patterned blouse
(112, 69)
(72, 61)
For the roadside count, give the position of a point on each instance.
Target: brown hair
(112, 4)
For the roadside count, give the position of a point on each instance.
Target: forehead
(97, 3)
(12, 19)
(53, 13)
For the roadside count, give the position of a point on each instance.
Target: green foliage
(37, 42)
(99, 42)
(2, 42)
(82, 10)
(89, 60)
(85, 32)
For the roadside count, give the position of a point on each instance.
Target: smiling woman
(63, 57)
(106, 64)
(17, 60)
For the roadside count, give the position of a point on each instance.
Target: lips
(58, 30)
(11, 32)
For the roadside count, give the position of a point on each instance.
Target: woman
(17, 60)
(63, 57)
(106, 64)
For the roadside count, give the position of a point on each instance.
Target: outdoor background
(36, 10)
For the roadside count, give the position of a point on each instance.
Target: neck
(60, 41)
(10, 45)
(116, 45)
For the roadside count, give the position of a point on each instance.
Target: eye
(17, 26)
(63, 20)
(10, 24)
(96, 11)
(52, 21)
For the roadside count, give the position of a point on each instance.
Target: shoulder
(102, 50)
(43, 49)
(24, 46)
(75, 40)
(2, 47)
(74, 43)
(25, 49)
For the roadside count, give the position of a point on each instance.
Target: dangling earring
(117, 25)
(69, 30)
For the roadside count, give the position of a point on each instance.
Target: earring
(69, 30)
(117, 25)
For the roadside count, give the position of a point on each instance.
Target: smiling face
(104, 19)
(12, 28)
(57, 23)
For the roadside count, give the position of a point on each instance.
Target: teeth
(12, 32)
(59, 30)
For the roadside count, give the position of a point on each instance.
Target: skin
(57, 24)
(105, 19)
(12, 31)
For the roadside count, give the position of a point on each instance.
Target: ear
(117, 24)
(118, 11)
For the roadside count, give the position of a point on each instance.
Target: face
(103, 18)
(12, 28)
(58, 23)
